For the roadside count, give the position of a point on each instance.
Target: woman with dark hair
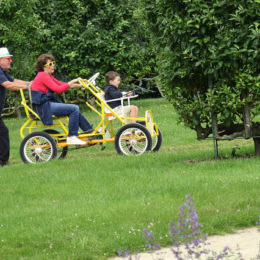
(46, 104)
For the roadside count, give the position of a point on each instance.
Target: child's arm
(114, 93)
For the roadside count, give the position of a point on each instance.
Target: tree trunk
(257, 146)
(247, 121)
(18, 112)
(159, 89)
(247, 117)
(214, 116)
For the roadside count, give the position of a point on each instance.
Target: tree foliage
(90, 35)
(84, 36)
(208, 60)
(20, 32)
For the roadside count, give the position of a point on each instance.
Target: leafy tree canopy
(208, 60)
(84, 36)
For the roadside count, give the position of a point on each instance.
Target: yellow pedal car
(42, 143)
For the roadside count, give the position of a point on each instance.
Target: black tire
(133, 139)
(61, 152)
(157, 142)
(38, 147)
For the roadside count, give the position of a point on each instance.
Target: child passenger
(112, 92)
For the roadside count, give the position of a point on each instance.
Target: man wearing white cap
(6, 82)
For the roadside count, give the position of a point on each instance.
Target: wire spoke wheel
(133, 139)
(38, 147)
(61, 151)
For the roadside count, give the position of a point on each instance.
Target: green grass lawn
(95, 202)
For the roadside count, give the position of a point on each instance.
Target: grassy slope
(93, 203)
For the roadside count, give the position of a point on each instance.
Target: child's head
(113, 78)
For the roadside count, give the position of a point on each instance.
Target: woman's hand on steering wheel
(73, 83)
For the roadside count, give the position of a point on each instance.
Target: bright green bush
(84, 36)
(91, 36)
(208, 60)
(20, 31)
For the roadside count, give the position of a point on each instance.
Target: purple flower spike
(188, 242)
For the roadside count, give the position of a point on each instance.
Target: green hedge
(84, 36)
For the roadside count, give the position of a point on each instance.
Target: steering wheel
(92, 80)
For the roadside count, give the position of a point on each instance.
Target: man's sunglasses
(50, 63)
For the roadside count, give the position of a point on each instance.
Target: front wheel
(133, 139)
(38, 147)
(157, 142)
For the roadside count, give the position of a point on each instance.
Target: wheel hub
(38, 150)
(133, 142)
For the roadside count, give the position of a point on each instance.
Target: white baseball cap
(4, 52)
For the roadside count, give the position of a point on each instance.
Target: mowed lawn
(95, 202)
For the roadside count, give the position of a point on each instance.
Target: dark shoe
(88, 131)
(3, 163)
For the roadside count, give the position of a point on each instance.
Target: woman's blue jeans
(76, 119)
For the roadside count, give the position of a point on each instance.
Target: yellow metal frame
(34, 122)
(149, 123)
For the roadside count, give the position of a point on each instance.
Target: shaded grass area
(95, 202)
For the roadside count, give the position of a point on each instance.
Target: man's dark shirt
(4, 76)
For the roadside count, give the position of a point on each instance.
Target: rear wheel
(133, 139)
(38, 147)
(61, 151)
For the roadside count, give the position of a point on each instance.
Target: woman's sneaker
(74, 140)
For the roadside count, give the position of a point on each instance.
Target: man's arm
(15, 85)
(22, 81)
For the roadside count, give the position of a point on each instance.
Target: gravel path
(247, 240)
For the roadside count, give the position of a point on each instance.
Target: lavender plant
(151, 243)
(187, 231)
(188, 242)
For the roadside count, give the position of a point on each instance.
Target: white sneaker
(74, 140)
